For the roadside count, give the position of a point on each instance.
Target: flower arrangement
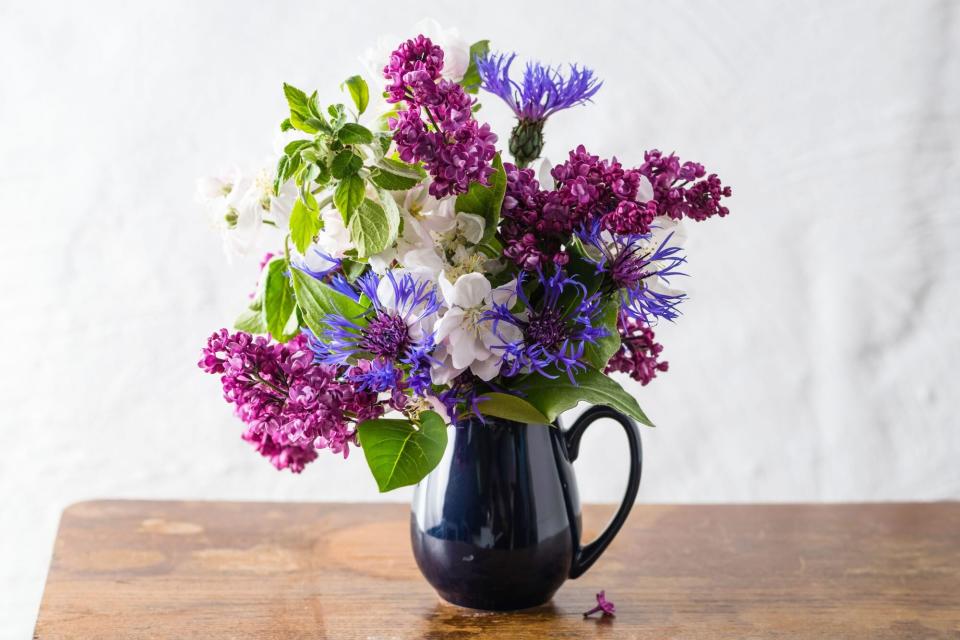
(419, 272)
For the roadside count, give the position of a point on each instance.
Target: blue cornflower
(317, 263)
(552, 332)
(543, 91)
(396, 331)
(639, 266)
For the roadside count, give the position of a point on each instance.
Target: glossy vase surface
(496, 525)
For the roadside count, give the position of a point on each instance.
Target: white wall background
(816, 359)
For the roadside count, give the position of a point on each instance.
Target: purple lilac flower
(535, 223)
(633, 264)
(542, 91)
(680, 190)
(454, 148)
(604, 606)
(639, 354)
(597, 189)
(555, 332)
(291, 406)
(396, 332)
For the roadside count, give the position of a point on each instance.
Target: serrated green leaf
(296, 99)
(598, 353)
(471, 78)
(316, 301)
(278, 300)
(359, 92)
(554, 396)
(510, 407)
(295, 145)
(372, 229)
(345, 164)
(353, 133)
(402, 168)
(349, 194)
(392, 212)
(339, 115)
(485, 201)
(400, 453)
(304, 222)
(391, 181)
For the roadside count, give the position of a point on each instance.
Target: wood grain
(124, 569)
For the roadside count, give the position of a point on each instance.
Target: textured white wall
(816, 359)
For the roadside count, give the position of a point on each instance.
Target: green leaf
(598, 353)
(250, 321)
(359, 92)
(278, 300)
(400, 453)
(510, 407)
(402, 168)
(345, 164)
(352, 269)
(339, 115)
(349, 194)
(353, 133)
(304, 222)
(391, 181)
(297, 99)
(286, 125)
(554, 396)
(471, 79)
(392, 211)
(317, 300)
(300, 113)
(485, 201)
(372, 228)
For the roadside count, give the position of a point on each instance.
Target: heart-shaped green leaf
(510, 407)
(400, 453)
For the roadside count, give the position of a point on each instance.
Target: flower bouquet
(418, 270)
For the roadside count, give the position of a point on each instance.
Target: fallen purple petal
(604, 606)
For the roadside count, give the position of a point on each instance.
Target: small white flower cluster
(240, 205)
(439, 245)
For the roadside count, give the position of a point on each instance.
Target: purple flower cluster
(453, 147)
(291, 406)
(397, 332)
(630, 263)
(639, 354)
(592, 191)
(680, 189)
(555, 333)
(597, 189)
(537, 224)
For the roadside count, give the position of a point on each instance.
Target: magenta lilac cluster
(538, 224)
(638, 355)
(437, 126)
(680, 190)
(291, 406)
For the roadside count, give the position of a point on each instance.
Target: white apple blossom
(466, 338)
(234, 209)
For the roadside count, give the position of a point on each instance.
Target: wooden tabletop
(125, 569)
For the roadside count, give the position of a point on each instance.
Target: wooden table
(247, 570)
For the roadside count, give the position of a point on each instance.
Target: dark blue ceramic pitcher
(497, 524)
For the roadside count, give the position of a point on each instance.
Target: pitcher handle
(585, 556)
